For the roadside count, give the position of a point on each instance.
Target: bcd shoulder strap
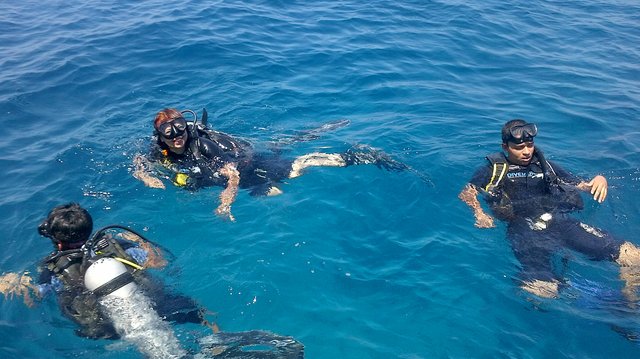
(500, 167)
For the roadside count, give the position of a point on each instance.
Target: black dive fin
(205, 117)
(311, 134)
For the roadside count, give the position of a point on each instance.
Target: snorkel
(194, 131)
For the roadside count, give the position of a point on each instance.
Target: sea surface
(354, 262)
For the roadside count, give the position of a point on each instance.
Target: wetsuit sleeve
(45, 275)
(481, 177)
(564, 175)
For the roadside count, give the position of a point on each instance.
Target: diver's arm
(141, 172)
(228, 195)
(153, 258)
(21, 285)
(597, 187)
(469, 195)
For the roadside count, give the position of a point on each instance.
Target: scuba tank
(108, 277)
(103, 264)
(103, 268)
(93, 272)
(129, 310)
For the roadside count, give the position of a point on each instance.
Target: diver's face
(519, 153)
(174, 133)
(176, 144)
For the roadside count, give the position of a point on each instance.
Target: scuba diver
(101, 285)
(193, 156)
(535, 198)
(69, 228)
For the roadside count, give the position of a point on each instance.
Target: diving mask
(43, 229)
(172, 129)
(522, 133)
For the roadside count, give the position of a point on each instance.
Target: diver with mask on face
(193, 156)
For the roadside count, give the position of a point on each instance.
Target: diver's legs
(367, 155)
(357, 155)
(542, 288)
(274, 191)
(315, 159)
(629, 261)
(629, 255)
(534, 250)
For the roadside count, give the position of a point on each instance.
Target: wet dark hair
(67, 223)
(506, 135)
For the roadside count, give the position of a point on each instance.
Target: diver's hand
(224, 211)
(484, 220)
(228, 195)
(141, 172)
(152, 182)
(155, 258)
(131, 237)
(598, 187)
(469, 195)
(14, 284)
(148, 180)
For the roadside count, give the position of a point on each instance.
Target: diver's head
(68, 226)
(517, 141)
(172, 130)
(518, 131)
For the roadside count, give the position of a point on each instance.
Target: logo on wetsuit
(524, 174)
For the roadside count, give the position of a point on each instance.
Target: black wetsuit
(205, 156)
(536, 210)
(81, 305)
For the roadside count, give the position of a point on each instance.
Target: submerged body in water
(137, 322)
(193, 156)
(536, 197)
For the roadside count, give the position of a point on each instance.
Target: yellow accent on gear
(181, 179)
(122, 260)
(134, 265)
(494, 182)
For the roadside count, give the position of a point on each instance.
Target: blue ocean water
(354, 262)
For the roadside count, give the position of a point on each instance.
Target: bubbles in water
(138, 323)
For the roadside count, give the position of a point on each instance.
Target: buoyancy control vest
(70, 266)
(512, 178)
(537, 184)
(207, 152)
(80, 304)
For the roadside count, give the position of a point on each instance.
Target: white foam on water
(139, 324)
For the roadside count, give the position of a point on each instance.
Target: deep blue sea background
(354, 262)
